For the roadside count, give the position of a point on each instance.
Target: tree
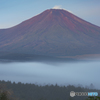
(92, 86)
(93, 98)
(6, 94)
(3, 96)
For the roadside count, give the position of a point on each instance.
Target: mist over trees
(21, 91)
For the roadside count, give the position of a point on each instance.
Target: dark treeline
(21, 91)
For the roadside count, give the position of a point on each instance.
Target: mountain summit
(54, 32)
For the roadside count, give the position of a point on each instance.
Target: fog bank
(74, 73)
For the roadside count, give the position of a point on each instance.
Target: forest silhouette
(26, 91)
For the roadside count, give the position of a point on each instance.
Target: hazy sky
(13, 12)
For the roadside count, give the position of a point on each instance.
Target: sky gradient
(13, 12)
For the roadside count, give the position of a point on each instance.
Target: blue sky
(13, 12)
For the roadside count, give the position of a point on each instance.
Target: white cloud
(57, 7)
(60, 7)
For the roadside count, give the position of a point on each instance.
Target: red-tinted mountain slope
(53, 32)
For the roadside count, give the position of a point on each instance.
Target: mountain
(54, 32)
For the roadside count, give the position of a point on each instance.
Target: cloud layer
(57, 7)
(74, 73)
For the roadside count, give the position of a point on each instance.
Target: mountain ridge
(53, 32)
